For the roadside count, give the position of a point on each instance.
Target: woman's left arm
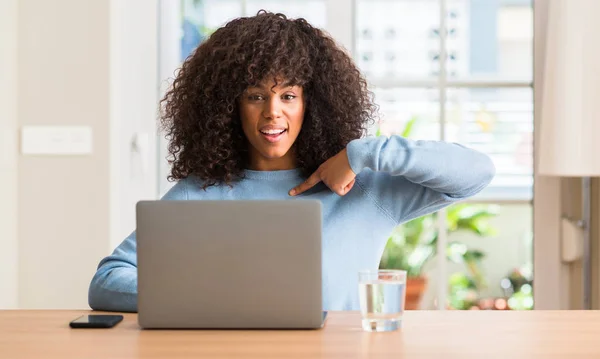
(413, 178)
(406, 178)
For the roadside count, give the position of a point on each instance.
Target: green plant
(463, 291)
(518, 288)
(414, 243)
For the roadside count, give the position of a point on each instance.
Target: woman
(271, 108)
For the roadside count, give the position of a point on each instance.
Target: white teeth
(272, 132)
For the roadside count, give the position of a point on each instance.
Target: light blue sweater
(397, 180)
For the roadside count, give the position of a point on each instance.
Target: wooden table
(425, 334)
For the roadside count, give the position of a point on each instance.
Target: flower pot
(415, 287)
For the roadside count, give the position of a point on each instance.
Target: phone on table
(96, 321)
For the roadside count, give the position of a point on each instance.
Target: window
(484, 93)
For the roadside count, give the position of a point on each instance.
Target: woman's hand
(336, 173)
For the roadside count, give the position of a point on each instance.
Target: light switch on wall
(56, 140)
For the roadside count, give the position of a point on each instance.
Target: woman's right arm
(114, 286)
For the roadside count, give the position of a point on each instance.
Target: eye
(289, 97)
(255, 97)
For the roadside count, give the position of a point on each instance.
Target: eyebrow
(284, 84)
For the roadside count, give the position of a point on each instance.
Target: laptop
(229, 264)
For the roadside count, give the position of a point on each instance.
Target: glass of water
(382, 294)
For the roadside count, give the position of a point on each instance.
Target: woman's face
(271, 119)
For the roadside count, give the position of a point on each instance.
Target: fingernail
(292, 192)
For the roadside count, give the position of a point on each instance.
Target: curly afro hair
(200, 112)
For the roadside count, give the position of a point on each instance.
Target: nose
(272, 108)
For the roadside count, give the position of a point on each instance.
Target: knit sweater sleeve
(412, 178)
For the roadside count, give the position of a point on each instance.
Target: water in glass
(382, 302)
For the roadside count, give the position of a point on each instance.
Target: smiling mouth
(273, 132)
(273, 135)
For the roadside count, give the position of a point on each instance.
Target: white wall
(90, 63)
(8, 154)
(63, 73)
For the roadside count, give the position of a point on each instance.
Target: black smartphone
(96, 321)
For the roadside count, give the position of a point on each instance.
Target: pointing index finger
(306, 185)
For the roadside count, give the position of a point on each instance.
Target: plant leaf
(409, 127)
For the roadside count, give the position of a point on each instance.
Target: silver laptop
(229, 264)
